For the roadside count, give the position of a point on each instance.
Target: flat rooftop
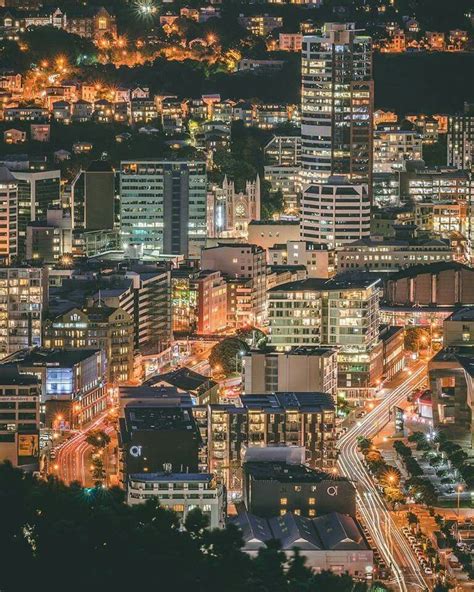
(177, 477)
(463, 314)
(316, 402)
(287, 473)
(50, 357)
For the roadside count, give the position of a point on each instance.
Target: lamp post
(239, 353)
(459, 490)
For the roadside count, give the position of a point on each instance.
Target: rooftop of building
(339, 282)
(463, 314)
(164, 477)
(153, 396)
(393, 242)
(431, 268)
(287, 473)
(49, 357)
(251, 247)
(274, 223)
(100, 166)
(464, 356)
(283, 268)
(11, 377)
(301, 350)
(183, 378)
(146, 417)
(386, 332)
(307, 402)
(332, 531)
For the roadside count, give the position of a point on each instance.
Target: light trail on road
(72, 457)
(387, 537)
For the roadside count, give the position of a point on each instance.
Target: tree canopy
(89, 539)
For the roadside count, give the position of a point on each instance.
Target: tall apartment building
(151, 307)
(282, 168)
(337, 105)
(278, 419)
(302, 369)
(335, 213)
(392, 147)
(38, 192)
(98, 327)
(461, 138)
(211, 302)
(340, 312)
(23, 294)
(245, 267)
(8, 216)
(19, 418)
(163, 206)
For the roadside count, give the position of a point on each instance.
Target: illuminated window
(283, 501)
(282, 512)
(102, 23)
(311, 501)
(312, 513)
(298, 512)
(297, 487)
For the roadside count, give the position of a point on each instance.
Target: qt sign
(136, 451)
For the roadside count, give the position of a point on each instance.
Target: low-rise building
(318, 259)
(290, 41)
(261, 24)
(451, 382)
(73, 383)
(273, 488)
(332, 542)
(391, 254)
(266, 233)
(393, 147)
(202, 389)
(181, 492)
(19, 418)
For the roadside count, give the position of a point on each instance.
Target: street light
(459, 489)
(239, 353)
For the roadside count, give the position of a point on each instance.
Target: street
(73, 457)
(388, 538)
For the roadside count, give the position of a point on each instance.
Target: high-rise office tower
(461, 138)
(335, 213)
(163, 206)
(336, 105)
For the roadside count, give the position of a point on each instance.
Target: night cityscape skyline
(237, 295)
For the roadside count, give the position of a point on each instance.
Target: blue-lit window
(59, 381)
